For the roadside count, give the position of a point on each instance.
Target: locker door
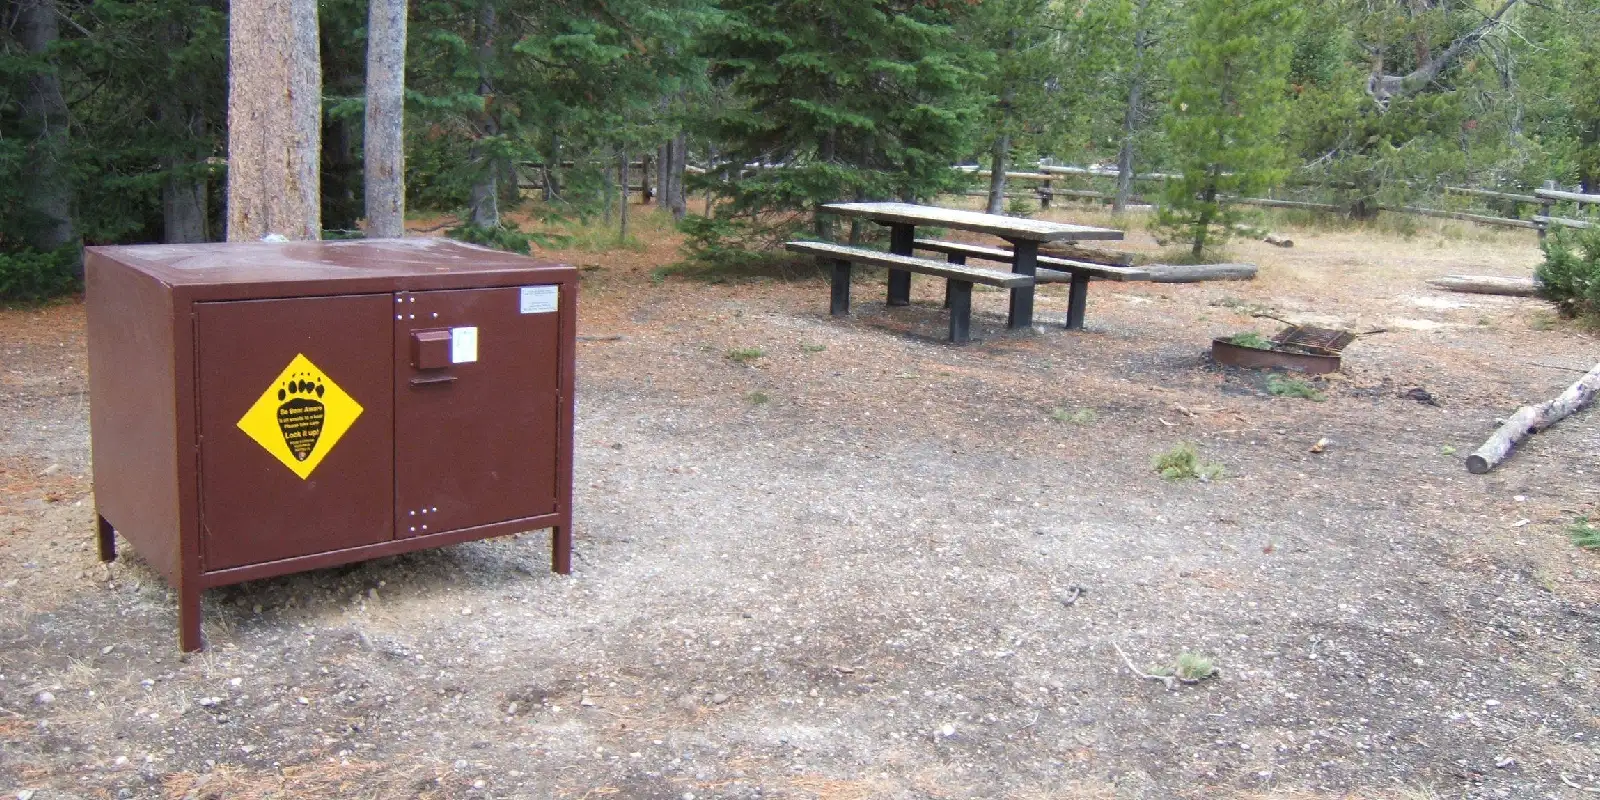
(296, 418)
(476, 407)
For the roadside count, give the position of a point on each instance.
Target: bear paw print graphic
(301, 413)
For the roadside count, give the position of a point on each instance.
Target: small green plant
(744, 355)
(1584, 534)
(507, 236)
(757, 398)
(1251, 339)
(1183, 463)
(30, 276)
(1570, 274)
(1542, 321)
(1082, 416)
(813, 348)
(1193, 668)
(1447, 450)
(1280, 386)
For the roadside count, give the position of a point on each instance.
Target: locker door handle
(433, 379)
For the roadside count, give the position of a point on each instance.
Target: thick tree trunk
(274, 120)
(826, 152)
(485, 198)
(183, 208)
(672, 188)
(1530, 420)
(997, 174)
(384, 148)
(47, 187)
(1130, 115)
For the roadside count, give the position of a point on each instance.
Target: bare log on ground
(1093, 255)
(1487, 284)
(1195, 273)
(1531, 419)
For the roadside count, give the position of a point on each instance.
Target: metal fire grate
(1311, 339)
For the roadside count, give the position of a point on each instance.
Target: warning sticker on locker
(301, 416)
(540, 299)
(463, 345)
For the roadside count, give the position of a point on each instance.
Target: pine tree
(837, 100)
(1227, 113)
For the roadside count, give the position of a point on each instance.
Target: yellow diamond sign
(300, 417)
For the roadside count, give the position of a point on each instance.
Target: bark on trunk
(1130, 115)
(1530, 420)
(485, 198)
(622, 208)
(184, 190)
(274, 120)
(183, 209)
(997, 174)
(47, 188)
(384, 147)
(672, 188)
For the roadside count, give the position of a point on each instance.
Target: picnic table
(1024, 236)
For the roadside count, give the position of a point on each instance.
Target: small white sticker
(540, 299)
(463, 345)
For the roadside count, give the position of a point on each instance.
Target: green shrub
(1251, 339)
(1584, 534)
(744, 355)
(29, 276)
(1183, 463)
(1570, 274)
(507, 236)
(1280, 386)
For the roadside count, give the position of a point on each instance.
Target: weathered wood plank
(993, 224)
(942, 269)
(1564, 222)
(1574, 197)
(1093, 255)
(1063, 267)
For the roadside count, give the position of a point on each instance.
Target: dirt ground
(869, 564)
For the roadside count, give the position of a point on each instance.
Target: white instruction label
(540, 299)
(463, 345)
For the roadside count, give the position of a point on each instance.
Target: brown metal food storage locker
(258, 409)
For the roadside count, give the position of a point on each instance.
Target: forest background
(113, 113)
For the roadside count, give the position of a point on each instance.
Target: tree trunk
(485, 198)
(1130, 115)
(47, 186)
(385, 152)
(183, 207)
(997, 174)
(826, 151)
(622, 209)
(672, 188)
(1531, 419)
(274, 121)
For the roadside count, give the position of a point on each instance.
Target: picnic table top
(1005, 227)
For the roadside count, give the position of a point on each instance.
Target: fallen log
(1530, 420)
(1487, 284)
(1093, 255)
(1195, 273)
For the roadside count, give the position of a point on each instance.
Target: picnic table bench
(1024, 236)
(1051, 270)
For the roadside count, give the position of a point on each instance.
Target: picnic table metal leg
(953, 258)
(1025, 261)
(959, 293)
(1077, 300)
(839, 302)
(901, 238)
